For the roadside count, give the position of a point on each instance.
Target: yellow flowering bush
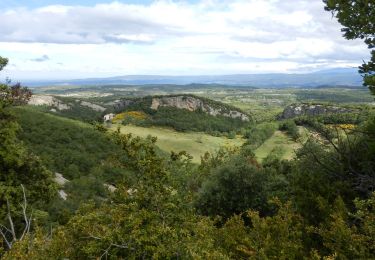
(138, 115)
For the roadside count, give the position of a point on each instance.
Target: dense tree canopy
(17, 165)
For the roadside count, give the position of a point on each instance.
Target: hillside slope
(183, 113)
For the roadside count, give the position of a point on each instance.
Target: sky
(72, 39)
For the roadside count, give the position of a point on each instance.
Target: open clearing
(196, 144)
(280, 139)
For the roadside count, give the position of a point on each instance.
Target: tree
(237, 185)
(358, 19)
(147, 220)
(19, 167)
(291, 129)
(3, 63)
(274, 237)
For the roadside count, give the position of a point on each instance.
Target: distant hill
(181, 112)
(331, 77)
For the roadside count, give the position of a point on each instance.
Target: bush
(258, 134)
(290, 127)
(236, 186)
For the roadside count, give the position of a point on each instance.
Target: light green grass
(196, 144)
(288, 145)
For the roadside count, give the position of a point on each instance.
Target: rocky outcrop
(192, 103)
(93, 106)
(43, 100)
(296, 110)
(61, 181)
(121, 104)
(57, 104)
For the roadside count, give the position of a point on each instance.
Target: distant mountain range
(331, 77)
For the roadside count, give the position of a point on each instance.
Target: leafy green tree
(237, 185)
(146, 220)
(291, 129)
(358, 19)
(17, 165)
(3, 62)
(274, 237)
(349, 235)
(258, 134)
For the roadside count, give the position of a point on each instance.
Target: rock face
(59, 179)
(93, 106)
(193, 104)
(121, 104)
(42, 100)
(296, 110)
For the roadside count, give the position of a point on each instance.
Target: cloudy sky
(68, 39)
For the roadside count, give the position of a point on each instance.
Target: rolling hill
(331, 77)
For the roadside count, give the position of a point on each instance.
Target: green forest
(73, 188)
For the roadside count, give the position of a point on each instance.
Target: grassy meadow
(278, 139)
(195, 143)
(287, 145)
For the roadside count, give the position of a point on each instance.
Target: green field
(196, 144)
(279, 139)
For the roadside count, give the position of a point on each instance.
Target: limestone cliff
(44, 100)
(193, 103)
(296, 110)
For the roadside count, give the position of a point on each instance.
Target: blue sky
(77, 39)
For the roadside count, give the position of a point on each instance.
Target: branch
(106, 251)
(6, 229)
(24, 207)
(11, 223)
(9, 244)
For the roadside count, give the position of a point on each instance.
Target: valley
(217, 148)
(181, 129)
(172, 113)
(195, 144)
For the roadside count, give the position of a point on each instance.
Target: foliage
(159, 204)
(3, 63)
(76, 110)
(87, 158)
(291, 128)
(258, 134)
(155, 223)
(345, 118)
(274, 156)
(346, 240)
(184, 120)
(18, 166)
(276, 237)
(66, 146)
(180, 119)
(235, 186)
(358, 19)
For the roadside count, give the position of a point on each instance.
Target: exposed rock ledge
(93, 106)
(296, 110)
(43, 100)
(192, 104)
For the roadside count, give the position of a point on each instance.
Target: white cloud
(168, 37)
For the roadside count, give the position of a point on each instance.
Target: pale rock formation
(193, 104)
(296, 110)
(93, 106)
(45, 100)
